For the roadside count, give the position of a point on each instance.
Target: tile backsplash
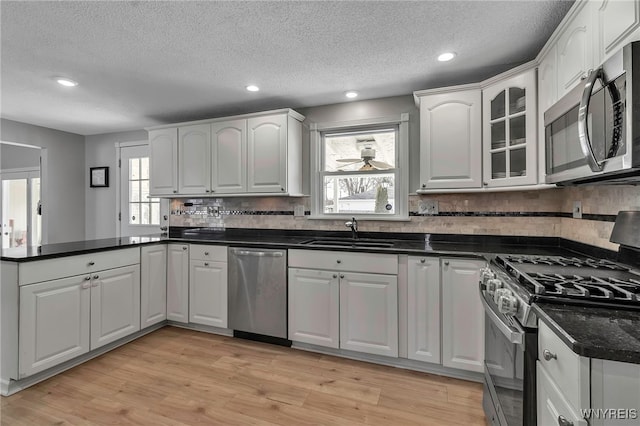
(529, 213)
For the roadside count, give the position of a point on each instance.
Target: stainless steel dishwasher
(258, 291)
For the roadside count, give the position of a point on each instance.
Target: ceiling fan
(367, 155)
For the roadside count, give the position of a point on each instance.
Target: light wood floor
(181, 377)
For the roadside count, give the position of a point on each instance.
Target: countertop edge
(584, 349)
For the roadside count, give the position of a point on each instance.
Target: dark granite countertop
(409, 243)
(47, 251)
(594, 332)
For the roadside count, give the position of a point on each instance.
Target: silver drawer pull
(92, 263)
(548, 355)
(206, 253)
(206, 263)
(562, 421)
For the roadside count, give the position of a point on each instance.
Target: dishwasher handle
(242, 252)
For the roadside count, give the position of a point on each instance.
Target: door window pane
(517, 100)
(498, 165)
(498, 135)
(498, 106)
(142, 209)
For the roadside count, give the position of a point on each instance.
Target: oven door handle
(515, 334)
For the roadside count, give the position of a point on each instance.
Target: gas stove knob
(485, 275)
(492, 285)
(508, 304)
(501, 292)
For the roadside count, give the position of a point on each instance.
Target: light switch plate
(428, 207)
(577, 209)
(298, 211)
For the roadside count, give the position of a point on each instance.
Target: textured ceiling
(145, 63)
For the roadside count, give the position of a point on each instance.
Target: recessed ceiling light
(252, 88)
(66, 82)
(351, 94)
(447, 56)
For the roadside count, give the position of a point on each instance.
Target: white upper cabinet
(267, 154)
(248, 154)
(450, 139)
(575, 50)
(194, 145)
(163, 154)
(229, 157)
(509, 131)
(618, 23)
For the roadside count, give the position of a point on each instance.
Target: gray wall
(100, 150)
(374, 108)
(65, 178)
(18, 157)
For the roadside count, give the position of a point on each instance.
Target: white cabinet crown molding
(287, 111)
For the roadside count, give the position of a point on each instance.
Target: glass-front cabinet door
(509, 132)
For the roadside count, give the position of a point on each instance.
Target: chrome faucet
(353, 224)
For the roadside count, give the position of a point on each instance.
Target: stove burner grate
(586, 287)
(561, 261)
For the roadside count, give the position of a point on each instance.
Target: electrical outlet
(577, 209)
(298, 211)
(428, 207)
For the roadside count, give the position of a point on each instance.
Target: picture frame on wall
(99, 177)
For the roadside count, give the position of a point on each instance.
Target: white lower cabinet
(369, 313)
(178, 282)
(314, 307)
(333, 304)
(115, 304)
(153, 285)
(54, 323)
(208, 293)
(552, 407)
(62, 319)
(423, 309)
(462, 315)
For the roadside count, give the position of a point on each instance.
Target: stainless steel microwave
(592, 134)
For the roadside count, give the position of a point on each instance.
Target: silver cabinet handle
(548, 355)
(184, 247)
(206, 263)
(423, 260)
(87, 278)
(338, 261)
(206, 253)
(95, 277)
(91, 263)
(164, 228)
(175, 191)
(335, 275)
(562, 421)
(341, 275)
(446, 263)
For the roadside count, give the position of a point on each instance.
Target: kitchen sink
(349, 243)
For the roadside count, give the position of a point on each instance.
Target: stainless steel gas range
(512, 283)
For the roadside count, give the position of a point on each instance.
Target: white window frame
(402, 166)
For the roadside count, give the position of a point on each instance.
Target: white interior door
(139, 213)
(21, 220)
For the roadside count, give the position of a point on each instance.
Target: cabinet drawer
(552, 405)
(205, 252)
(344, 261)
(51, 269)
(569, 370)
